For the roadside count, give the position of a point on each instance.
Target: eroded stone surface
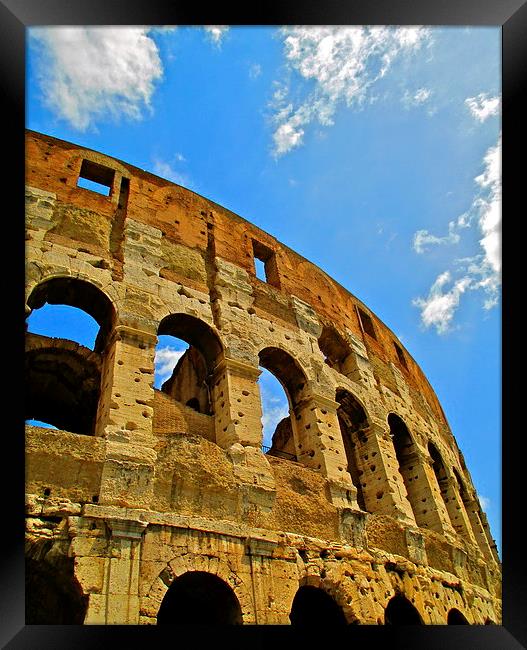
(156, 486)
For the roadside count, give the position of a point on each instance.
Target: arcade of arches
(157, 505)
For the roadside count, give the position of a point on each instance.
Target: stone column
(118, 603)
(237, 406)
(383, 487)
(424, 494)
(456, 510)
(473, 510)
(125, 418)
(319, 445)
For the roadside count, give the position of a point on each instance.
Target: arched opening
(53, 596)
(291, 378)
(400, 611)
(333, 347)
(197, 597)
(313, 607)
(62, 386)
(73, 309)
(186, 354)
(66, 340)
(473, 513)
(442, 480)
(276, 422)
(455, 617)
(408, 463)
(352, 420)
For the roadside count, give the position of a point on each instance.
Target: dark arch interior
(437, 463)
(62, 384)
(202, 598)
(400, 611)
(312, 606)
(333, 347)
(455, 617)
(80, 294)
(402, 440)
(461, 486)
(52, 595)
(352, 419)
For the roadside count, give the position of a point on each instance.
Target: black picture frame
(511, 15)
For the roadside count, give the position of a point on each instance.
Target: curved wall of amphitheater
(146, 505)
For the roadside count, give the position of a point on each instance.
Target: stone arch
(334, 347)
(81, 292)
(409, 463)
(62, 384)
(401, 611)
(53, 595)
(455, 617)
(199, 597)
(61, 371)
(335, 589)
(313, 606)
(353, 419)
(293, 379)
(207, 564)
(443, 481)
(191, 379)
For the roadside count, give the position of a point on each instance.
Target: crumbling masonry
(149, 506)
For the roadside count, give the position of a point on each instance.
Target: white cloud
(343, 63)
(88, 73)
(484, 502)
(422, 238)
(482, 106)
(483, 270)
(438, 308)
(417, 98)
(166, 170)
(272, 415)
(165, 361)
(216, 33)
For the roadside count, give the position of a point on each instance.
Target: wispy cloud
(438, 308)
(423, 239)
(166, 170)
(483, 270)
(88, 73)
(255, 70)
(165, 361)
(484, 502)
(483, 106)
(216, 33)
(343, 63)
(416, 98)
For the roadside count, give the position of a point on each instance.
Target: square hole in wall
(265, 263)
(366, 323)
(96, 178)
(400, 355)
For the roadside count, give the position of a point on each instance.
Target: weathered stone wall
(158, 488)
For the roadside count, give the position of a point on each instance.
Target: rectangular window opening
(400, 355)
(96, 178)
(366, 323)
(265, 264)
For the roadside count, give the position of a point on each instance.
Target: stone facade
(150, 505)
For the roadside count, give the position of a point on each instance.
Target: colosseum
(162, 506)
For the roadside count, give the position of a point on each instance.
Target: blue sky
(373, 152)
